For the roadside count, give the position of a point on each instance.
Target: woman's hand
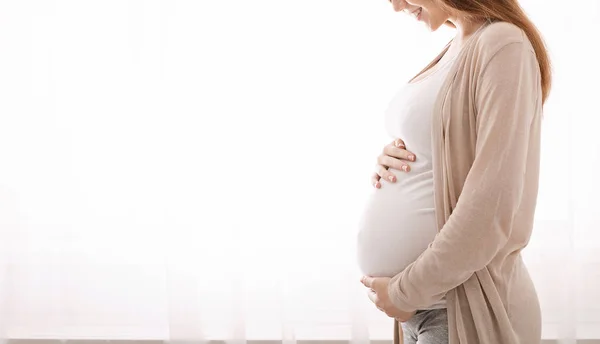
(394, 155)
(378, 293)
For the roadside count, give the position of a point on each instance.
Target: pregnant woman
(441, 236)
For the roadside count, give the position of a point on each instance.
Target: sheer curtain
(193, 170)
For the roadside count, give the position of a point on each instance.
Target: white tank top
(399, 222)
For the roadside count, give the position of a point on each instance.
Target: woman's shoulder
(503, 32)
(498, 35)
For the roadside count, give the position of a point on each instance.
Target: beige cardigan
(486, 152)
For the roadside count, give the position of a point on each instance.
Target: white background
(195, 169)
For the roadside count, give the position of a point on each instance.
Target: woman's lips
(417, 13)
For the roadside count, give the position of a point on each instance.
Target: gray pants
(428, 326)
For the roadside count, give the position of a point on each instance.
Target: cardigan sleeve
(507, 99)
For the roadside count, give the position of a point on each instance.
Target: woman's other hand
(378, 294)
(395, 156)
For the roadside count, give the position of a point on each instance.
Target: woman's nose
(399, 5)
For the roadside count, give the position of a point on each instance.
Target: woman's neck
(464, 28)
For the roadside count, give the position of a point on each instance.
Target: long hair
(508, 11)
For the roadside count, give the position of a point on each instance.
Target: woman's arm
(508, 97)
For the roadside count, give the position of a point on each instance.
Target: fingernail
(391, 178)
(405, 168)
(411, 157)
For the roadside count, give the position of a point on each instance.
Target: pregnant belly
(397, 225)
